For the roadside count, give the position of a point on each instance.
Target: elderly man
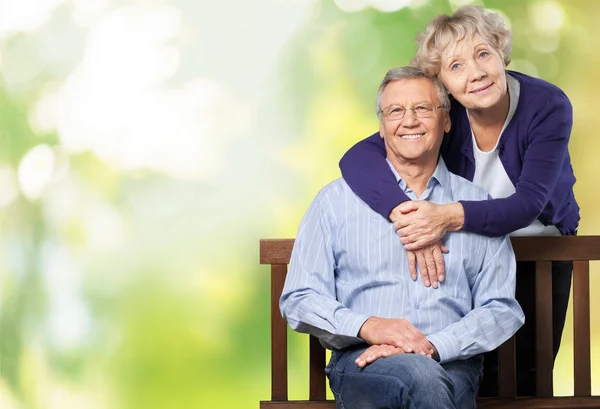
(395, 342)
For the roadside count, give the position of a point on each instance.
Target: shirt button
(417, 306)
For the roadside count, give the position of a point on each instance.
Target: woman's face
(473, 72)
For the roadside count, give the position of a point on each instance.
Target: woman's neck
(487, 124)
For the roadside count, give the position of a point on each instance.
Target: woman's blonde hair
(445, 31)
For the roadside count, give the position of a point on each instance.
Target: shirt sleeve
(543, 161)
(496, 314)
(308, 301)
(366, 171)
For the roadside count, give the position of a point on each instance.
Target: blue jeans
(404, 381)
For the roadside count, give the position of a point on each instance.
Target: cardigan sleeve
(547, 147)
(366, 171)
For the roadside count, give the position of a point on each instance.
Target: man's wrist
(362, 331)
(456, 218)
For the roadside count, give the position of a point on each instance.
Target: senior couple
(452, 178)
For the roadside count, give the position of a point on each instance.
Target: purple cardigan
(533, 150)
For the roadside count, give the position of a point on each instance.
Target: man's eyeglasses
(395, 112)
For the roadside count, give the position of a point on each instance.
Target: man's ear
(381, 130)
(448, 123)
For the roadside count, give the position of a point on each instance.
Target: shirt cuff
(352, 324)
(448, 349)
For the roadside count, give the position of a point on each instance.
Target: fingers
(431, 263)
(428, 266)
(431, 266)
(415, 242)
(438, 261)
(423, 268)
(375, 352)
(412, 264)
(401, 223)
(417, 340)
(409, 206)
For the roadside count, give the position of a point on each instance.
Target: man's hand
(396, 332)
(431, 263)
(421, 223)
(374, 352)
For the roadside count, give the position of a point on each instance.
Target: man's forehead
(410, 89)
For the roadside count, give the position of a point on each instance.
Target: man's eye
(421, 108)
(396, 110)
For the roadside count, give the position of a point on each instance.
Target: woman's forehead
(463, 46)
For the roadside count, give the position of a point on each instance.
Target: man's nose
(410, 119)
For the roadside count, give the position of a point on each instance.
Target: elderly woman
(510, 135)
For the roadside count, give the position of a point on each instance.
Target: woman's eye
(455, 66)
(483, 54)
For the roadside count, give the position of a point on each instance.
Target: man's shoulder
(333, 190)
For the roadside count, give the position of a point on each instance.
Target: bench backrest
(541, 250)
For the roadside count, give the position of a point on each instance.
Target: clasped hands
(391, 336)
(421, 226)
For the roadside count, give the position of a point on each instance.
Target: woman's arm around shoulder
(368, 174)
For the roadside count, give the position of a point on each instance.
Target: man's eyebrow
(424, 101)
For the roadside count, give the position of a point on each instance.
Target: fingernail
(435, 285)
(441, 278)
(414, 277)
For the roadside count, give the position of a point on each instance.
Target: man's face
(412, 138)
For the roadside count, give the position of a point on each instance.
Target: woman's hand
(421, 223)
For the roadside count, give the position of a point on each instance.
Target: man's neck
(415, 174)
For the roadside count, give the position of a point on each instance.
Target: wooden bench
(542, 250)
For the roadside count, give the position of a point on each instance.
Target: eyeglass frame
(429, 111)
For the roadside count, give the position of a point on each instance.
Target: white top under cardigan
(490, 174)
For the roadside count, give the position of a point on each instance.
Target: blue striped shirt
(348, 264)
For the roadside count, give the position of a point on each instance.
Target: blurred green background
(146, 147)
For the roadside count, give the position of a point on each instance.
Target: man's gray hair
(409, 72)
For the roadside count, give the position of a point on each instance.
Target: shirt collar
(440, 176)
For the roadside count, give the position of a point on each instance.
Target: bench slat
(556, 248)
(557, 402)
(507, 371)
(296, 404)
(276, 251)
(543, 328)
(317, 367)
(484, 403)
(581, 328)
(279, 377)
